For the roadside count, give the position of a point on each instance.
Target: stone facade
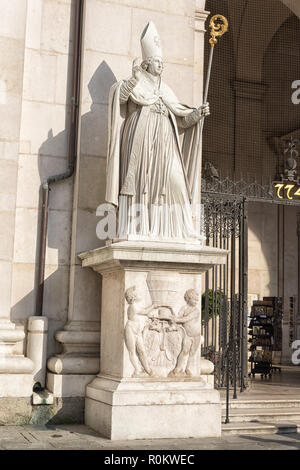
(36, 40)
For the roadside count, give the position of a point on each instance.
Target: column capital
(249, 90)
(200, 18)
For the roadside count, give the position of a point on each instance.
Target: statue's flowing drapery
(147, 166)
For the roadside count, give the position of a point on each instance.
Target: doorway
(261, 235)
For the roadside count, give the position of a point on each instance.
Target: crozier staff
(218, 26)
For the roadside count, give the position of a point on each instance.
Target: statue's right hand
(136, 69)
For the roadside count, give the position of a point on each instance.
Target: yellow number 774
(288, 189)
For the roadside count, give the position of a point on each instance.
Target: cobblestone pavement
(81, 437)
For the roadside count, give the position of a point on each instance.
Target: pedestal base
(153, 408)
(73, 365)
(16, 385)
(151, 383)
(72, 385)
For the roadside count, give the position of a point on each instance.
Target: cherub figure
(133, 334)
(189, 317)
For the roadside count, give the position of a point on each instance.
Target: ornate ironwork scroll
(224, 303)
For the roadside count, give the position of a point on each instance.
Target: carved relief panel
(167, 343)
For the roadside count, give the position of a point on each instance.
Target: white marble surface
(68, 385)
(145, 410)
(182, 253)
(16, 385)
(158, 404)
(73, 364)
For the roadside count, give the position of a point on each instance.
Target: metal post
(233, 301)
(227, 385)
(298, 236)
(42, 251)
(245, 294)
(241, 304)
(220, 306)
(206, 322)
(213, 289)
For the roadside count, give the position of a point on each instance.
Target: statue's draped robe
(146, 164)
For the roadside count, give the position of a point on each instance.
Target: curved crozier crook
(219, 26)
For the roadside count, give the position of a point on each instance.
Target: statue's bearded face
(156, 66)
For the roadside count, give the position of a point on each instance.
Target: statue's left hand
(136, 69)
(205, 110)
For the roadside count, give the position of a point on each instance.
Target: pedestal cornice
(200, 18)
(128, 253)
(249, 90)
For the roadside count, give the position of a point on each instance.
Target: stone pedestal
(16, 378)
(78, 356)
(153, 408)
(71, 385)
(150, 382)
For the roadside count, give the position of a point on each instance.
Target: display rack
(263, 328)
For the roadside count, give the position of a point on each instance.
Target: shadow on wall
(52, 160)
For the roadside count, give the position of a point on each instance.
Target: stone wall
(12, 41)
(36, 39)
(263, 249)
(42, 153)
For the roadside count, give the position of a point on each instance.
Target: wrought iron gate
(224, 302)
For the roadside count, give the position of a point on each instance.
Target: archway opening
(253, 115)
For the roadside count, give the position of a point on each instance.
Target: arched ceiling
(293, 5)
(253, 24)
(258, 23)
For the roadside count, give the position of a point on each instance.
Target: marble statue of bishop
(153, 151)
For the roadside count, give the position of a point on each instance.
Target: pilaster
(248, 114)
(13, 43)
(80, 337)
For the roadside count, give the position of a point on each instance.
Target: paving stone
(80, 437)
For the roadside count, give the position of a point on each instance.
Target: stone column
(15, 369)
(298, 292)
(78, 362)
(152, 383)
(248, 113)
(199, 35)
(285, 355)
(198, 78)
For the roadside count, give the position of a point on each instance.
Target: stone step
(259, 428)
(269, 416)
(262, 403)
